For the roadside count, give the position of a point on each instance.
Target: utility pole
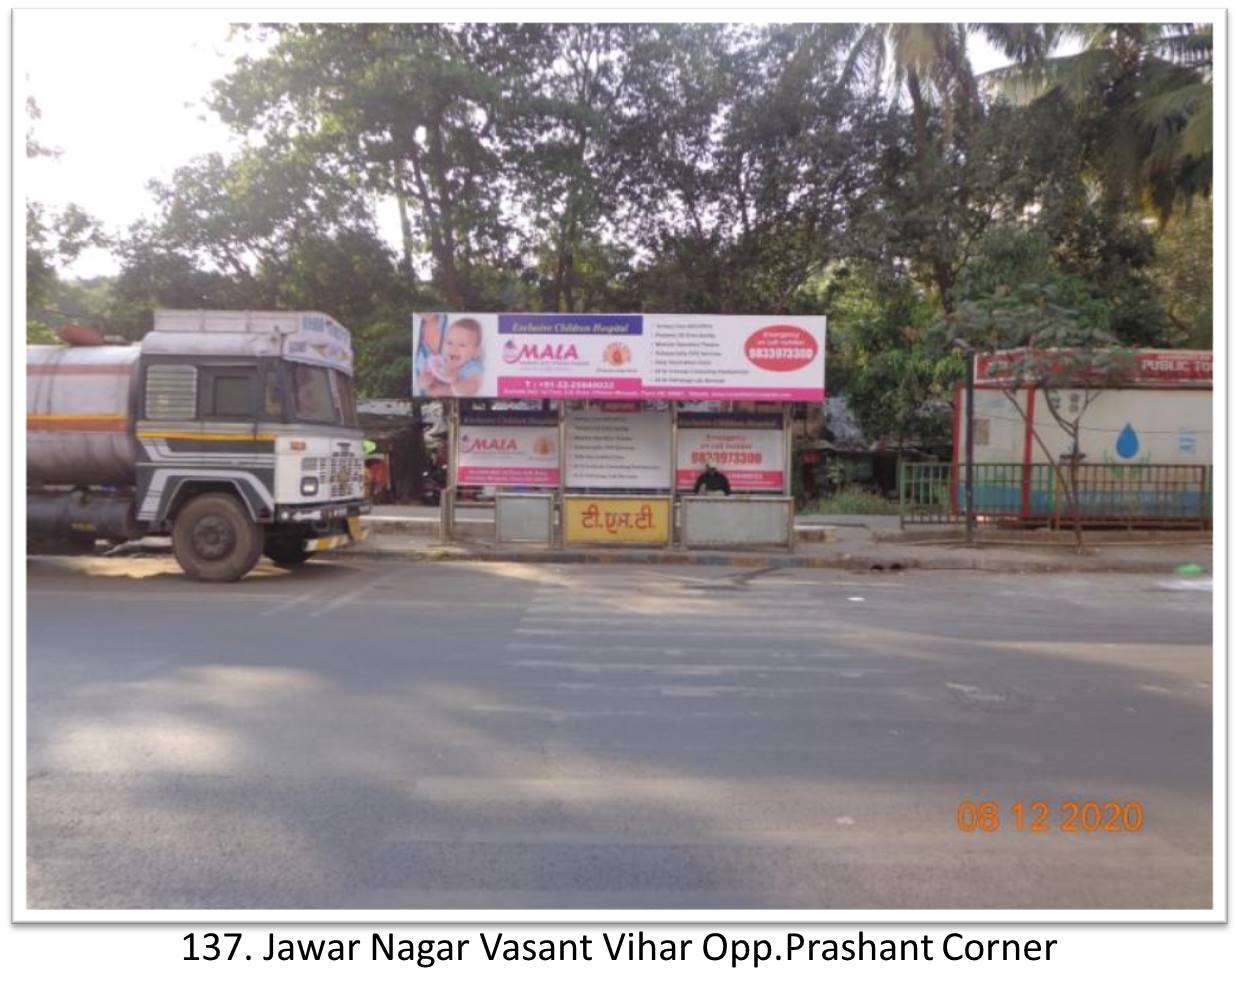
(969, 494)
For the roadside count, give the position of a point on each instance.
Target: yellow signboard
(588, 519)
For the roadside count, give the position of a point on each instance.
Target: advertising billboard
(748, 448)
(621, 357)
(518, 449)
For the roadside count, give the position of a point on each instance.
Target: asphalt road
(374, 734)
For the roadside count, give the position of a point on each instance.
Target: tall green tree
(745, 169)
(694, 167)
(54, 240)
(1182, 274)
(1143, 95)
(929, 65)
(879, 357)
(953, 171)
(409, 110)
(562, 144)
(269, 228)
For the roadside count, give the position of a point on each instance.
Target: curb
(838, 561)
(662, 559)
(480, 529)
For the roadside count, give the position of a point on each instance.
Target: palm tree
(927, 64)
(930, 62)
(1144, 96)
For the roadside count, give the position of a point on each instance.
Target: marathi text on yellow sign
(616, 520)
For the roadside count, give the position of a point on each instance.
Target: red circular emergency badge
(780, 348)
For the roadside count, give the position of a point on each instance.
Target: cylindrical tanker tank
(80, 408)
(88, 514)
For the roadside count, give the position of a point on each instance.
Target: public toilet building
(632, 408)
(1145, 443)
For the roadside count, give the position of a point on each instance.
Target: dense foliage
(864, 171)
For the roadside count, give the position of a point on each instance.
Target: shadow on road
(422, 757)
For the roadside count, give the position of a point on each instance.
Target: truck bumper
(324, 527)
(332, 541)
(320, 515)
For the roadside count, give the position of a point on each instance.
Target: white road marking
(974, 693)
(743, 600)
(1162, 690)
(572, 621)
(732, 628)
(679, 650)
(292, 603)
(103, 594)
(356, 593)
(680, 669)
(811, 837)
(703, 691)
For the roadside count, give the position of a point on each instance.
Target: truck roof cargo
(171, 320)
(304, 336)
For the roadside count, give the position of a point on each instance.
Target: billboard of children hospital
(621, 357)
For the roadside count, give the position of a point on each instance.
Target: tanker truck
(233, 432)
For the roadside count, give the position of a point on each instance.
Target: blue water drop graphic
(1128, 442)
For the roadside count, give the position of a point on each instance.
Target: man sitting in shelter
(712, 481)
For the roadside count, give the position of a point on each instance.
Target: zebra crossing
(721, 638)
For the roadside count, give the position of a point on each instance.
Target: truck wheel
(215, 540)
(287, 551)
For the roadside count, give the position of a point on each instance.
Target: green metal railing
(1108, 494)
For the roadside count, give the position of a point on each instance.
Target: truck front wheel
(215, 540)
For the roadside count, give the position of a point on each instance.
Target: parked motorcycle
(433, 481)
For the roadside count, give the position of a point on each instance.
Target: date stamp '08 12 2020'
(1037, 816)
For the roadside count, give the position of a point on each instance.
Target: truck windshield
(343, 390)
(320, 394)
(311, 394)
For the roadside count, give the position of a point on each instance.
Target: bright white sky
(121, 94)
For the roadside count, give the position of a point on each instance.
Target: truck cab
(247, 438)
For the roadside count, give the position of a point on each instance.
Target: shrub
(854, 500)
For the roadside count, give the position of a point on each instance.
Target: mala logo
(487, 444)
(513, 353)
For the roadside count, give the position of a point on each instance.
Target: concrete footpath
(863, 543)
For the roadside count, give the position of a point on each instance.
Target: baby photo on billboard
(449, 361)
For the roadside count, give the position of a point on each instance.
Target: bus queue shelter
(593, 429)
